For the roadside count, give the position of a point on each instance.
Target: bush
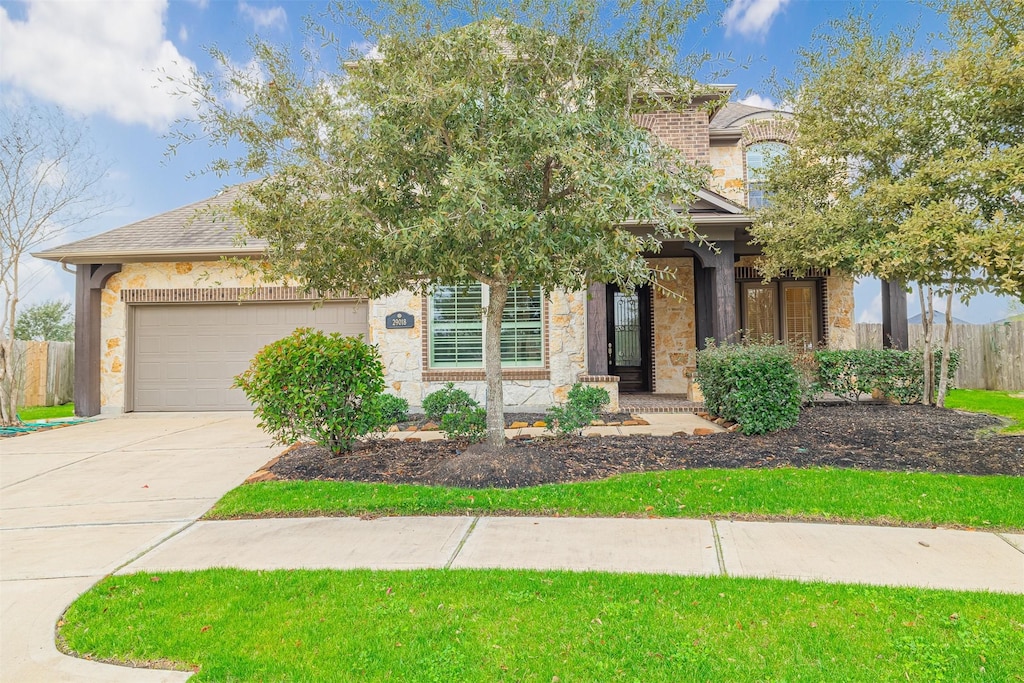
(312, 385)
(899, 375)
(447, 400)
(581, 408)
(393, 409)
(467, 422)
(754, 385)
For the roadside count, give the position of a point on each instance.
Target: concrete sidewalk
(124, 495)
(927, 558)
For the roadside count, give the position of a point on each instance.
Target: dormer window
(759, 156)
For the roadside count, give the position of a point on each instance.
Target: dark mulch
(875, 437)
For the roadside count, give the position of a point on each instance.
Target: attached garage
(183, 357)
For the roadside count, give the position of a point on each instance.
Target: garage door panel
(187, 355)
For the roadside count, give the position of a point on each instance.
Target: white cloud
(201, 4)
(755, 100)
(95, 56)
(751, 17)
(183, 34)
(271, 17)
(251, 72)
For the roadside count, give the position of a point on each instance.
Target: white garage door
(185, 356)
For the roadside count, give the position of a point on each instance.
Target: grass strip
(495, 625)
(1001, 403)
(46, 412)
(828, 494)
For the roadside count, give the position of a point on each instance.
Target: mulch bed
(871, 437)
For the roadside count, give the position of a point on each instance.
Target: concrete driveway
(79, 502)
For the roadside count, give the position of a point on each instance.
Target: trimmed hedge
(754, 385)
(899, 375)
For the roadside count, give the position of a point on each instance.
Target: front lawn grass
(814, 493)
(1001, 403)
(27, 413)
(494, 625)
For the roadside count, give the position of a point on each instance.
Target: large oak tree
(907, 165)
(475, 143)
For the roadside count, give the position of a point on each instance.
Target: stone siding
(675, 333)
(404, 353)
(727, 172)
(841, 331)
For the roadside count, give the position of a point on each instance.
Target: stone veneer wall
(675, 334)
(113, 319)
(727, 172)
(404, 357)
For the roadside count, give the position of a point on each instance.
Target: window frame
(749, 182)
(779, 287)
(540, 362)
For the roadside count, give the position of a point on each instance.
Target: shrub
(899, 375)
(317, 386)
(393, 409)
(581, 408)
(467, 422)
(754, 385)
(446, 400)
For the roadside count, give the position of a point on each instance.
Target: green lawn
(991, 402)
(832, 494)
(441, 625)
(46, 412)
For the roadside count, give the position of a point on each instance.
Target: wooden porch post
(89, 281)
(597, 330)
(895, 332)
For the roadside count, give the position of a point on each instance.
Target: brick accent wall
(686, 131)
(768, 130)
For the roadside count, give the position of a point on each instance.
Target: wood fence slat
(991, 356)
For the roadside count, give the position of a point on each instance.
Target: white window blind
(456, 327)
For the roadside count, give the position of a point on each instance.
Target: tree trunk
(946, 339)
(928, 361)
(492, 365)
(9, 384)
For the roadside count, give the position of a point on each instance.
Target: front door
(629, 338)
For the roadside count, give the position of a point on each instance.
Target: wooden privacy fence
(992, 355)
(44, 372)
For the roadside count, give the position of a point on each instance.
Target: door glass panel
(761, 311)
(627, 330)
(799, 308)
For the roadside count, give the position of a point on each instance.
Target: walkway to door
(658, 403)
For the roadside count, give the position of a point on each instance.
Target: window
(759, 156)
(457, 327)
(781, 310)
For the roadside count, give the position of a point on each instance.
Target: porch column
(895, 332)
(597, 330)
(89, 281)
(715, 284)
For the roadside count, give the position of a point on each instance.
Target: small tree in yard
(48, 321)
(481, 143)
(907, 166)
(50, 180)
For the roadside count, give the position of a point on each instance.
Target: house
(163, 322)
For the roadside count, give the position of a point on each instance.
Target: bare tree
(51, 179)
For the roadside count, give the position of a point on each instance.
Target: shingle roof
(204, 228)
(734, 114)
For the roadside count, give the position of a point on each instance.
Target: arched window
(759, 156)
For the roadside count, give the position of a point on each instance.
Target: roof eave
(141, 256)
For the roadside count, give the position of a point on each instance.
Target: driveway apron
(77, 503)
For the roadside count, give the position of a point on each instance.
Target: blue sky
(101, 60)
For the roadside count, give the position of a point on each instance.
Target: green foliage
(582, 407)
(323, 387)
(47, 321)
(465, 422)
(393, 409)
(898, 375)
(489, 142)
(447, 400)
(754, 385)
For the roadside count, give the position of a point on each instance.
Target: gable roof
(734, 116)
(203, 228)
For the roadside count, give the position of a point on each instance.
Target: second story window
(759, 156)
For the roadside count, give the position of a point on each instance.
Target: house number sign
(399, 321)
